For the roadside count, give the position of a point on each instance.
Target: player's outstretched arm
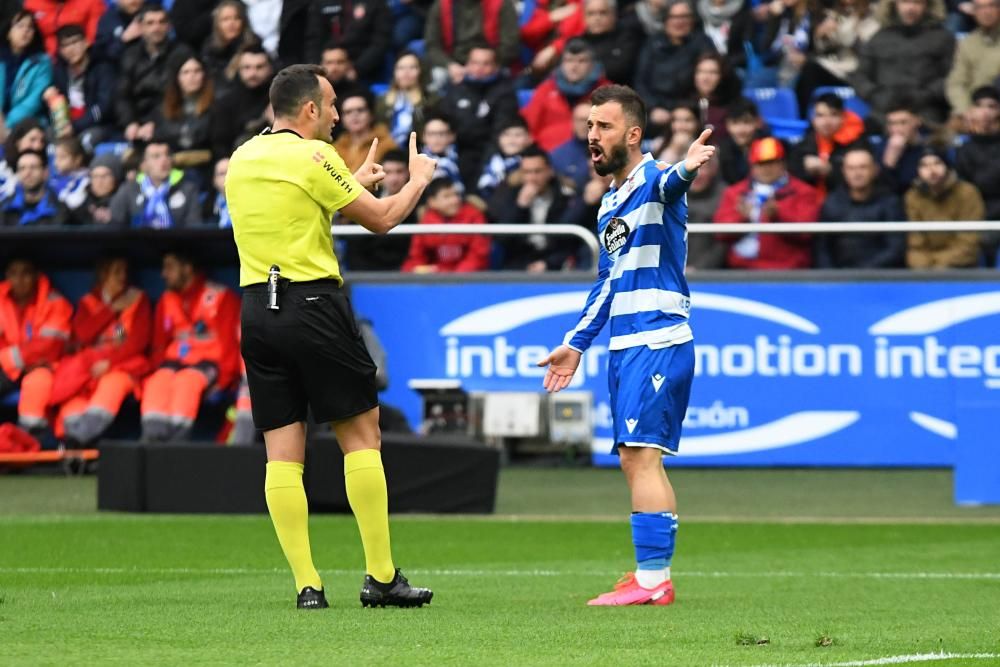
(562, 364)
(699, 152)
(381, 215)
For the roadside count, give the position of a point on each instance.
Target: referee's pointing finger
(413, 143)
(371, 151)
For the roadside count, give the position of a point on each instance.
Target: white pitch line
(471, 572)
(896, 660)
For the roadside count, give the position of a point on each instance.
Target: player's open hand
(421, 166)
(699, 152)
(562, 364)
(371, 172)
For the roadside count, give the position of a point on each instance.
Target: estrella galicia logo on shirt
(615, 235)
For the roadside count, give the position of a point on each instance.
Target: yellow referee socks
(286, 501)
(369, 499)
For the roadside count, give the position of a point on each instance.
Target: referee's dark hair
(294, 86)
(632, 105)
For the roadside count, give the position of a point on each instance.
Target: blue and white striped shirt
(640, 288)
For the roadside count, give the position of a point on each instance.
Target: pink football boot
(628, 591)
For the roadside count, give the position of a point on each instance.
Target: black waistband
(325, 283)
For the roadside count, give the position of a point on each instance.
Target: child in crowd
(439, 143)
(513, 139)
(70, 177)
(447, 253)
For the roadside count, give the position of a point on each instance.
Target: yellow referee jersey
(282, 191)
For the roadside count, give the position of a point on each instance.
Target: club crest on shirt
(615, 235)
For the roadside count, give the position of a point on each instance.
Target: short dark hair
(70, 31)
(579, 46)
(335, 45)
(534, 151)
(152, 9)
(632, 105)
(985, 93)
(255, 49)
(157, 140)
(73, 145)
(294, 86)
(832, 100)
(39, 154)
(437, 185)
(185, 255)
(741, 108)
(395, 155)
(437, 115)
(516, 120)
(861, 147)
(359, 93)
(903, 102)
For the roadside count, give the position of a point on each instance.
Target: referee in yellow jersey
(300, 341)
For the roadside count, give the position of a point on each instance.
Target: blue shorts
(649, 394)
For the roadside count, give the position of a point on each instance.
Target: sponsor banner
(838, 374)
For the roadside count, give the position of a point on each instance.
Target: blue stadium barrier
(524, 96)
(774, 102)
(851, 100)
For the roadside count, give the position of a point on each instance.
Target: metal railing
(842, 227)
(590, 240)
(491, 229)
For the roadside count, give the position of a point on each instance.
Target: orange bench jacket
(35, 335)
(196, 325)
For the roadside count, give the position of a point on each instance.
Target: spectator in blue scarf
(33, 202)
(160, 197)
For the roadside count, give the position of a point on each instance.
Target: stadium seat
(788, 129)
(114, 147)
(851, 100)
(417, 46)
(774, 103)
(524, 96)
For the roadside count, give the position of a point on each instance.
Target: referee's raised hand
(421, 166)
(371, 172)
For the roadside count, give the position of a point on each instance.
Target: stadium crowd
(124, 114)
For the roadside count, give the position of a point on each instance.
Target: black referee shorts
(308, 355)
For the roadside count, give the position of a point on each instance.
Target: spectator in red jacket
(195, 348)
(770, 195)
(111, 333)
(50, 15)
(551, 25)
(448, 253)
(549, 114)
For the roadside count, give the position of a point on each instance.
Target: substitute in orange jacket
(448, 253)
(194, 348)
(111, 332)
(34, 330)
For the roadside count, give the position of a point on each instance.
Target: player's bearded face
(609, 161)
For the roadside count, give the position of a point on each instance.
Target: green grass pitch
(772, 568)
